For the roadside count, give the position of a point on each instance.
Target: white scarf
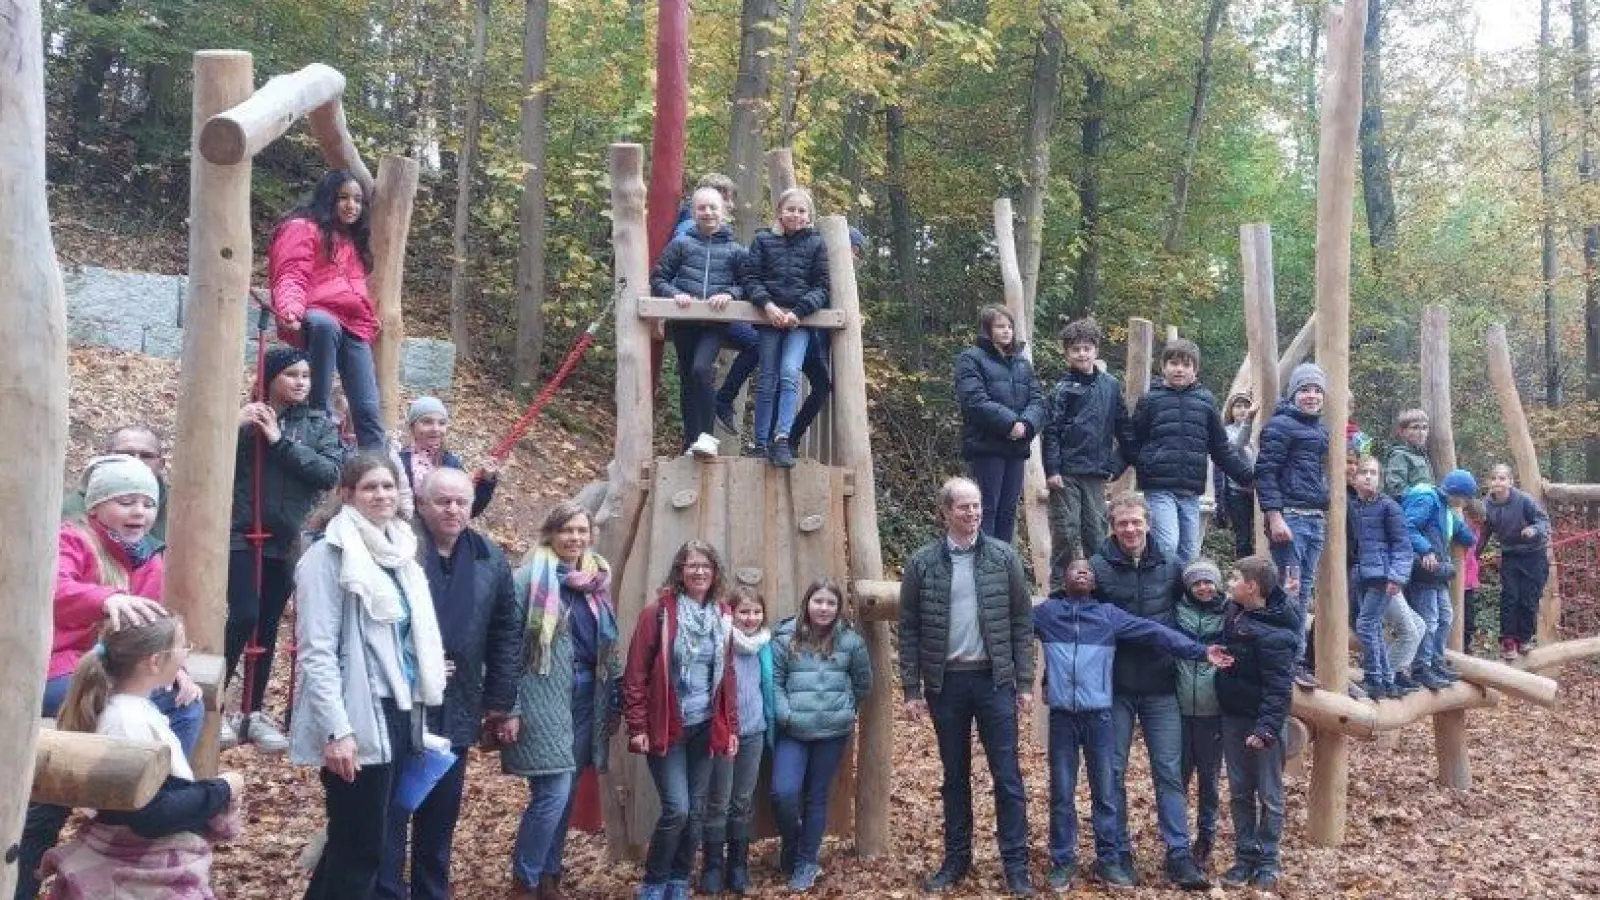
(365, 552)
(750, 644)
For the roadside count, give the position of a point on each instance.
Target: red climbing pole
(667, 138)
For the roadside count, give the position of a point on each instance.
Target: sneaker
(1182, 872)
(1130, 866)
(264, 734)
(755, 451)
(725, 418)
(1424, 675)
(675, 889)
(1018, 884)
(1238, 875)
(1354, 691)
(1304, 680)
(1061, 878)
(1404, 683)
(704, 446)
(950, 875)
(1446, 672)
(780, 454)
(1201, 851)
(648, 891)
(228, 735)
(1508, 649)
(1113, 875)
(805, 875)
(1265, 879)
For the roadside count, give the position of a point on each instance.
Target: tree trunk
(1313, 14)
(1044, 100)
(902, 241)
(1191, 141)
(90, 82)
(746, 133)
(1547, 227)
(791, 69)
(460, 333)
(161, 108)
(1376, 185)
(530, 244)
(1583, 96)
(1087, 289)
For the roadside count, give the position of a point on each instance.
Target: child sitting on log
(162, 850)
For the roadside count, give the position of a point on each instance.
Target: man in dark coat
(481, 624)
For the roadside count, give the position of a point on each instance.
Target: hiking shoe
(1265, 879)
(804, 877)
(1238, 875)
(1201, 851)
(704, 446)
(1061, 878)
(1019, 884)
(675, 889)
(1113, 875)
(951, 873)
(1404, 684)
(725, 418)
(1182, 872)
(228, 735)
(1424, 675)
(261, 731)
(780, 454)
(1130, 866)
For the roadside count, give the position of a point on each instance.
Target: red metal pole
(667, 139)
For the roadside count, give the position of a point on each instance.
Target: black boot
(738, 866)
(711, 869)
(779, 452)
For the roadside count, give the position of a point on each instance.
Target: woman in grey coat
(564, 696)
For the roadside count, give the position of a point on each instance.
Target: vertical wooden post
(1341, 110)
(392, 200)
(1136, 379)
(1449, 728)
(617, 520)
(33, 391)
(780, 176)
(1527, 461)
(1261, 334)
(853, 446)
(211, 373)
(1035, 494)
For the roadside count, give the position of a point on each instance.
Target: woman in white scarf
(370, 661)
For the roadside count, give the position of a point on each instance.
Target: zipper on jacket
(705, 279)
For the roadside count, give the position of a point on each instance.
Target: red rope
(503, 449)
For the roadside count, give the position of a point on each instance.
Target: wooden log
(235, 135)
(1334, 713)
(33, 395)
(328, 126)
(1035, 493)
(1457, 698)
(780, 176)
(831, 317)
(88, 771)
(1553, 656)
(853, 446)
(1260, 334)
(392, 201)
(1519, 683)
(1556, 492)
(1450, 727)
(1515, 419)
(1136, 379)
(1341, 112)
(211, 376)
(1305, 341)
(1296, 737)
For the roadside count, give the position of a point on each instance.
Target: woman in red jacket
(679, 702)
(318, 266)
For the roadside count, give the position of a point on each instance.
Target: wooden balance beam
(1554, 656)
(1340, 713)
(240, 132)
(736, 311)
(89, 771)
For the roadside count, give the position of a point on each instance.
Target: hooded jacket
(996, 391)
(1263, 643)
(1432, 527)
(1289, 469)
(790, 270)
(1197, 679)
(1171, 435)
(1406, 466)
(1080, 637)
(1082, 419)
(295, 472)
(818, 697)
(700, 265)
(1148, 588)
(1380, 546)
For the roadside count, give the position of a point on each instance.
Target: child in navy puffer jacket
(1380, 567)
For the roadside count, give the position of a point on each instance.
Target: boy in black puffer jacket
(1261, 632)
(1083, 415)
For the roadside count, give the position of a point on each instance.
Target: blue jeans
(1175, 524)
(1162, 726)
(547, 800)
(1255, 794)
(582, 751)
(1375, 662)
(967, 698)
(1432, 604)
(1093, 732)
(1202, 757)
(783, 353)
(1439, 637)
(331, 348)
(999, 480)
(1408, 632)
(742, 335)
(1304, 551)
(731, 803)
(432, 831)
(683, 778)
(802, 776)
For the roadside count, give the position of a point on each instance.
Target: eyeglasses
(699, 567)
(1419, 426)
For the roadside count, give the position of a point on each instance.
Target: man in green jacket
(966, 656)
(138, 441)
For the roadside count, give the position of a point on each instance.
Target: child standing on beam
(1522, 527)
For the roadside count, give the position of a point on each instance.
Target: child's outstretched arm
(1150, 633)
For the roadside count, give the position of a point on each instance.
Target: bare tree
(530, 238)
(1376, 186)
(468, 160)
(1583, 96)
(791, 70)
(1091, 148)
(1191, 139)
(1044, 101)
(747, 132)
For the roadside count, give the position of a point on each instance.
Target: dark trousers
(260, 612)
(1093, 733)
(1077, 522)
(818, 380)
(967, 698)
(1202, 761)
(697, 345)
(359, 814)
(683, 779)
(433, 831)
(802, 776)
(1522, 580)
(999, 480)
(1242, 519)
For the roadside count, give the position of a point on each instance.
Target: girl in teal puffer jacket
(821, 674)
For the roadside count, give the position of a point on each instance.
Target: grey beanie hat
(1201, 569)
(1306, 373)
(117, 475)
(425, 406)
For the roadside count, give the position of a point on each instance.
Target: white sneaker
(227, 735)
(265, 735)
(705, 446)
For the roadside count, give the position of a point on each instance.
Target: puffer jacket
(700, 265)
(1263, 643)
(305, 278)
(818, 696)
(296, 471)
(1432, 527)
(1170, 436)
(1379, 547)
(1005, 616)
(487, 645)
(1406, 466)
(1289, 469)
(1197, 679)
(996, 391)
(1148, 589)
(1505, 521)
(790, 270)
(1082, 419)
(78, 611)
(1080, 638)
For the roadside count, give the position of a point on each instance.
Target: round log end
(222, 142)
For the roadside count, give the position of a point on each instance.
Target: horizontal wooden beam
(1554, 656)
(1555, 492)
(736, 311)
(81, 770)
(238, 134)
(879, 601)
(1519, 683)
